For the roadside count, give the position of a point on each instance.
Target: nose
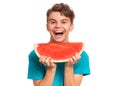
(58, 24)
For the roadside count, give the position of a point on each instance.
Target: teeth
(58, 31)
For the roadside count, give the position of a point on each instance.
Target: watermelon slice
(60, 52)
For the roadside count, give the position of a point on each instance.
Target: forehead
(57, 16)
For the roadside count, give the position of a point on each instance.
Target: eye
(52, 22)
(64, 22)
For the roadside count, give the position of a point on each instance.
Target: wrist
(51, 68)
(68, 70)
(69, 67)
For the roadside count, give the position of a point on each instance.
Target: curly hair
(64, 9)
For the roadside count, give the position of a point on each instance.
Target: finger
(74, 58)
(71, 60)
(47, 61)
(52, 64)
(51, 61)
(41, 58)
(77, 56)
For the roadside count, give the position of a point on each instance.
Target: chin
(58, 40)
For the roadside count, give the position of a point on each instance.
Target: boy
(43, 71)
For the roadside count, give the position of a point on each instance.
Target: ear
(47, 27)
(71, 27)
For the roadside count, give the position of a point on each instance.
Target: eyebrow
(55, 20)
(51, 19)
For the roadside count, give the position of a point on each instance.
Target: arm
(47, 80)
(70, 79)
(50, 73)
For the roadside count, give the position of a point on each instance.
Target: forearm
(69, 79)
(48, 79)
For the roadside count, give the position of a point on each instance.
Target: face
(59, 27)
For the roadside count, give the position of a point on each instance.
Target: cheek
(50, 30)
(68, 26)
(68, 29)
(49, 27)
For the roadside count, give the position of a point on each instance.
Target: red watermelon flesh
(60, 52)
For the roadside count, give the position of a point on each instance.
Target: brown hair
(64, 9)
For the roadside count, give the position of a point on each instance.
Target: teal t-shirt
(36, 70)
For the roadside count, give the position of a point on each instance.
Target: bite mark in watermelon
(60, 52)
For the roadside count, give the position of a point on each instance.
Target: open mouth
(58, 33)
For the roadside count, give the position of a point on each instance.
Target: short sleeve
(36, 70)
(82, 66)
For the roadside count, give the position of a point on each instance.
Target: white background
(23, 23)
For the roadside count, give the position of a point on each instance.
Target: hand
(72, 60)
(48, 61)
